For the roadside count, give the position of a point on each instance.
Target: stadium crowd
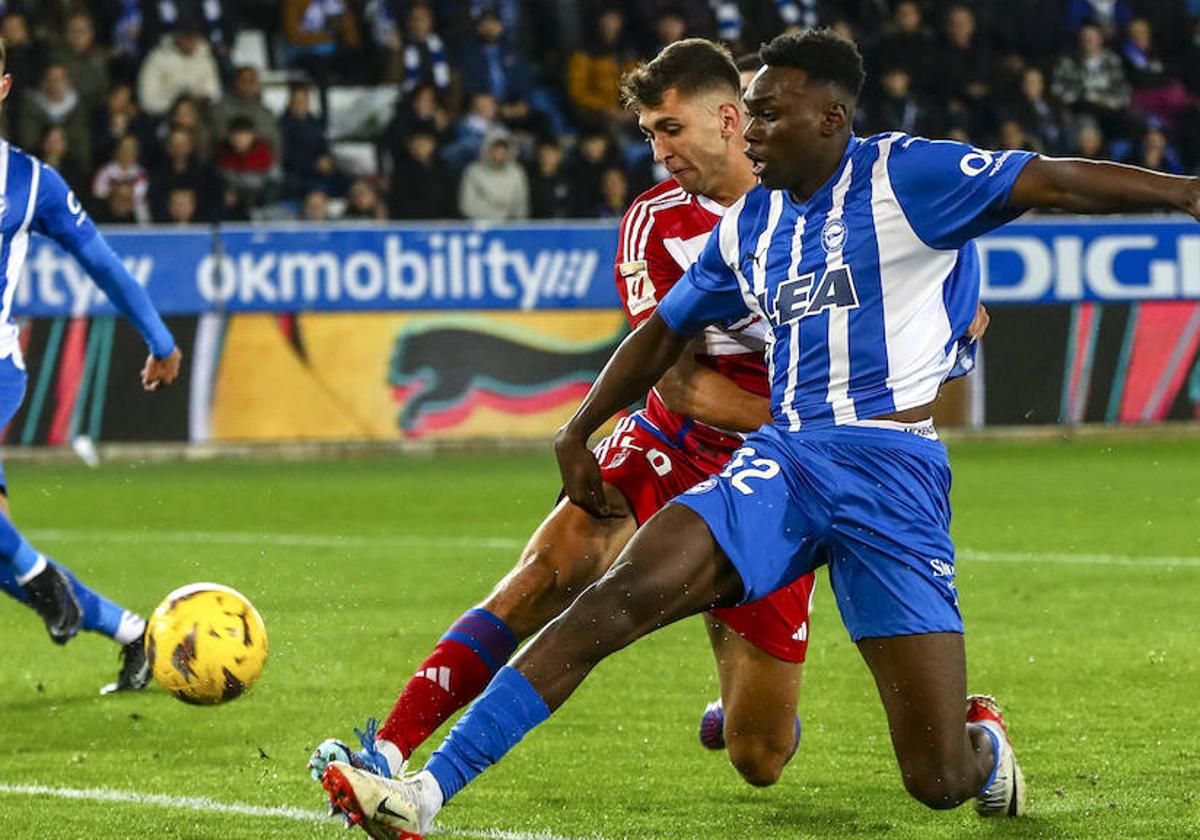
(157, 111)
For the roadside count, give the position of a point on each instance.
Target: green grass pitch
(1079, 570)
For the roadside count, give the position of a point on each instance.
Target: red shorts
(650, 472)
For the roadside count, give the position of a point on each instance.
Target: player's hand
(158, 372)
(581, 474)
(979, 325)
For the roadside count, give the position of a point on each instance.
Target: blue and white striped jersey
(867, 286)
(34, 198)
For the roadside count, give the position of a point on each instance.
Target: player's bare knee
(759, 760)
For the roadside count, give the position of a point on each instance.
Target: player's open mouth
(756, 163)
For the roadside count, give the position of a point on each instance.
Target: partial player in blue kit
(858, 254)
(35, 199)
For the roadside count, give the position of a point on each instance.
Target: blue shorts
(873, 503)
(12, 392)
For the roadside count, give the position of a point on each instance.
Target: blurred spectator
(614, 193)
(386, 44)
(53, 149)
(124, 28)
(419, 110)
(182, 207)
(1154, 151)
(1092, 81)
(421, 187)
(307, 160)
(124, 170)
(315, 207)
(1090, 142)
(670, 25)
(494, 188)
(1192, 60)
(56, 102)
(182, 169)
(244, 162)
(906, 43)
(1013, 136)
(113, 119)
(1158, 88)
(20, 63)
(965, 69)
(424, 51)
(1040, 118)
(1110, 16)
(549, 189)
(362, 202)
(182, 63)
(594, 153)
(85, 62)
(321, 37)
(208, 17)
(480, 120)
(490, 66)
(1031, 28)
(185, 114)
(898, 108)
(245, 100)
(120, 208)
(594, 73)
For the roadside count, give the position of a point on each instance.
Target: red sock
(454, 674)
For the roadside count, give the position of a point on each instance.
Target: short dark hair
(748, 61)
(823, 54)
(690, 66)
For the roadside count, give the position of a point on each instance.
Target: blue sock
(100, 615)
(508, 709)
(15, 551)
(486, 634)
(18, 557)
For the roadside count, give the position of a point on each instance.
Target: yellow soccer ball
(206, 643)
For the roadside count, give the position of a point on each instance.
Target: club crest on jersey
(639, 290)
(833, 235)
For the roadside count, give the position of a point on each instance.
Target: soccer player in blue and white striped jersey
(858, 253)
(35, 199)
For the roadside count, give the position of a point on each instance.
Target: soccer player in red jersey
(688, 104)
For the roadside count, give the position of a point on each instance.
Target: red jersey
(662, 234)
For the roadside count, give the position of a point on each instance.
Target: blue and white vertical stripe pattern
(869, 284)
(19, 178)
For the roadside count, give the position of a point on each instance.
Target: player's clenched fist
(161, 371)
(580, 474)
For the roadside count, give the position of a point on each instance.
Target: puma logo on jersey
(439, 676)
(639, 290)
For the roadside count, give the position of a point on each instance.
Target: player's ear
(5, 86)
(835, 118)
(730, 117)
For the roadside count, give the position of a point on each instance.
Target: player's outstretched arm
(701, 393)
(638, 363)
(60, 216)
(1084, 186)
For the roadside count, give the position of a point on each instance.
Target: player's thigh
(570, 550)
(13, 380)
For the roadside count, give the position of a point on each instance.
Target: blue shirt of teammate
(35, 199)
(867, 286)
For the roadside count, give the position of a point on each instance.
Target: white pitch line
(272, 539)
(1073, 559)
(504, 543)
(241, 809)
